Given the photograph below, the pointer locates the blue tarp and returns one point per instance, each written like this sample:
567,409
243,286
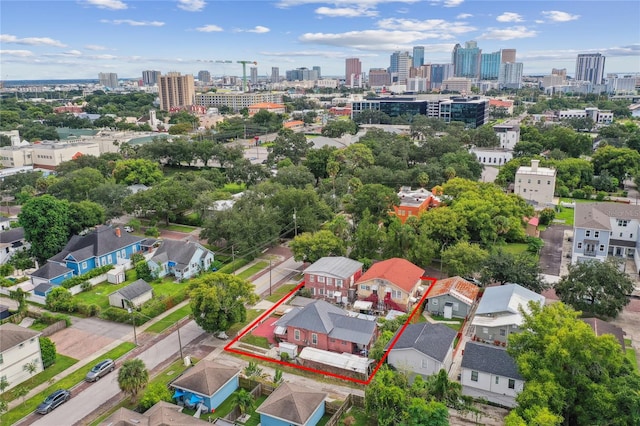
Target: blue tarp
178,393
195,399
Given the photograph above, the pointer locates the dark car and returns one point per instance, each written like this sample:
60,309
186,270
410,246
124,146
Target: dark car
57,398
100,369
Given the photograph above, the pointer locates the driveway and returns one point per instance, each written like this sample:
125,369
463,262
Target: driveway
87,336
551,253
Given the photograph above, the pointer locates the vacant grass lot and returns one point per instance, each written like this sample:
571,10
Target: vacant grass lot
253,269
252,314
280,292
170,319
259,341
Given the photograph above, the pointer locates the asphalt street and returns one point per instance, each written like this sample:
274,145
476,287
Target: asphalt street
82,404
281,272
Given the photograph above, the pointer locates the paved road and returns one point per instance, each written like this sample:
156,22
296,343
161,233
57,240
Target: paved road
81,405
281,272
551,253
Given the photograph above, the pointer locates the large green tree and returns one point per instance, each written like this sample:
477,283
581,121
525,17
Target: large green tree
133,376
503,267
291,145
137,171
45,221
572,376
599,288
463,258
310,247
376,198
218,300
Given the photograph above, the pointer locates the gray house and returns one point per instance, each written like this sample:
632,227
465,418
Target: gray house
498,313
182,259
423,348
490,372
135,294
452,297
606,229
291,404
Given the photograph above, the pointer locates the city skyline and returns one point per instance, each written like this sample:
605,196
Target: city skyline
80,39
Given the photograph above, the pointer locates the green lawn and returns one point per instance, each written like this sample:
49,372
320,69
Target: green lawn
252,314
259,341
179,228
168,287
170,319
631,354
515,248
565,215
358,414
99,294
61,364
280,292
253,269
234,188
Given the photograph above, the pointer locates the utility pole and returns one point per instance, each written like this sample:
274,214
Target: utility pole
133,321
295,223
269,277
179,339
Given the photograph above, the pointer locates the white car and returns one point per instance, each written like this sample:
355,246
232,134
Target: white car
128,229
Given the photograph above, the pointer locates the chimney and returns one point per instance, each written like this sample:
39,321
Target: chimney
534,165
118,233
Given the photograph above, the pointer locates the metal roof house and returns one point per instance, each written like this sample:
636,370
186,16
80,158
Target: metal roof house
332,277
133,295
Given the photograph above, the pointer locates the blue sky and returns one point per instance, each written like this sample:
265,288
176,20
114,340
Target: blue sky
67,39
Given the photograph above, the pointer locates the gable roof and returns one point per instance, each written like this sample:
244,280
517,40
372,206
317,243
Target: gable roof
180,252
599,215
506,298
433,340
12,235
335,266
161,414
292,403
51,270
457,287
42,288
101,241
399,272
600,328
13,335
490,359
206,378
133,290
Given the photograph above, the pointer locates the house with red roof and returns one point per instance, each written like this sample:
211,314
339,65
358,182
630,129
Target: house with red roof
532,226
452,297
391,284
268,106
414,202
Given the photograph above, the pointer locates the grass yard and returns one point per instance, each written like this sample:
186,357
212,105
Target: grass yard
261,342
631,354
227,406
178,228
170,320
252,314
234,188
515,248
168,287
99,294
565,215
280,292
253,269
358,414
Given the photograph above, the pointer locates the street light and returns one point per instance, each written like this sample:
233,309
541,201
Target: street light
269,277
135,337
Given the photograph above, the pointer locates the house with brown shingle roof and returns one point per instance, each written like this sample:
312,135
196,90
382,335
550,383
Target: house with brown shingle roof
161,414
391,284
452,297
208,383
292,404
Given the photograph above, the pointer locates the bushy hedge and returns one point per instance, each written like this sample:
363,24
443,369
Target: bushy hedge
80,279
48,319
88,310
147,311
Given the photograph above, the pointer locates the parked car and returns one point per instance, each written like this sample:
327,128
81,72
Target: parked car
54,400
128,229
100,369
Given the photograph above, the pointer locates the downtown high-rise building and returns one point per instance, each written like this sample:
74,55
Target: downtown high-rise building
440,73
508,55
590,67
275,74
466,60
176,91
490,65
318,72
418,56
511,75
353,72
399,64
379,77
108,79
204,76
253,72
150,77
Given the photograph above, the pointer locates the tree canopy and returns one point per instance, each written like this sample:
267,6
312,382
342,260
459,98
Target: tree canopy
45,220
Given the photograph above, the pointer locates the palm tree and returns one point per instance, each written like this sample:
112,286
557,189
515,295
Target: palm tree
277,377
133,377
30,368
244,400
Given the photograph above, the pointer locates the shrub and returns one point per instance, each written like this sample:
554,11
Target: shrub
136,257
121,315
60,300
152,231
601,195
74,281
88,310
579,194
153,394
546,216
6,269
48,351
563,191
48,319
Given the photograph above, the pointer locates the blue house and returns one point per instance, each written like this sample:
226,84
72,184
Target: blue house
208,383
182,259
105,245
291,405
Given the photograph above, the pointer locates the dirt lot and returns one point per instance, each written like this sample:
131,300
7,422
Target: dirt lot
87,336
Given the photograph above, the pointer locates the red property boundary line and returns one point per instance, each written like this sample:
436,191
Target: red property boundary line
248,329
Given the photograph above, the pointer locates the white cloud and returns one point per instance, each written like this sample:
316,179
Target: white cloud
259,29
18,53
209,28
438,25
337,3
464,16
346,12
370,39
508,33
539,21
105,56
453,3
509,17
31,41
108,4
191,5
558,16
72,53
94,47
133,23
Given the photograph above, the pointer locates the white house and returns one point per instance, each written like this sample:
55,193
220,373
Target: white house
535,184
182,259
492,157
509,135
11,241
19,346
489,372
135,294
423,348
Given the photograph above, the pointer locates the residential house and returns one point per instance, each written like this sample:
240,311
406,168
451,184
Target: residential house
43,289
182,259
498,313
291,404
601,230
161,414
532,229
332,277
391,284
133,295
601,328
423,348
490,372
452,297
208,383
105,245
11,241
536,184
414,202
19,346
324,326
266,106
